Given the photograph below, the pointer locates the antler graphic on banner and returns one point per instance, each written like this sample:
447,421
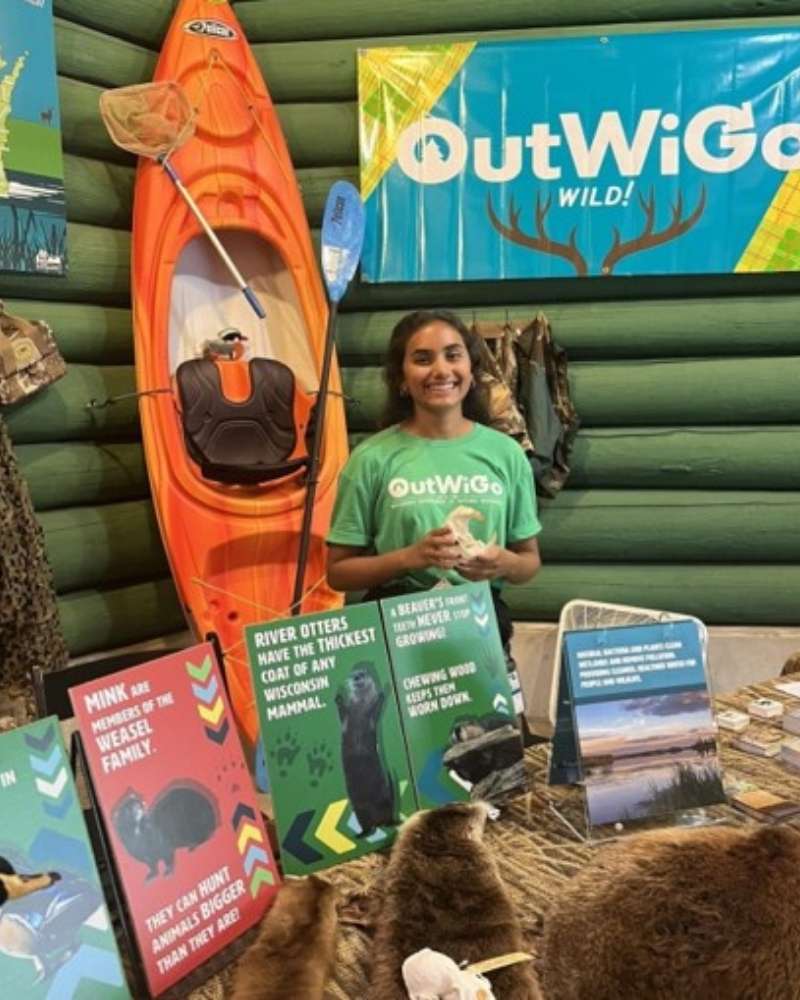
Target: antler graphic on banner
542,242
647,238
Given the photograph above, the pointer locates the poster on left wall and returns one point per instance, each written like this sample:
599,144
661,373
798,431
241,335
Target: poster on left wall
33,228
56,935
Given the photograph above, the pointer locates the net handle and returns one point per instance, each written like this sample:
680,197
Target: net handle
233,270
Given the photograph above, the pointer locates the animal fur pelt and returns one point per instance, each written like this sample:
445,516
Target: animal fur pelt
292,955
693,913
442,891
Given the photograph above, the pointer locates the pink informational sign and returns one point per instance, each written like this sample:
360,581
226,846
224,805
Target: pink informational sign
179,807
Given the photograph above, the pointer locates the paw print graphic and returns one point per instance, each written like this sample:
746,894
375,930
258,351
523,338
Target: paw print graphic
320,761
285,752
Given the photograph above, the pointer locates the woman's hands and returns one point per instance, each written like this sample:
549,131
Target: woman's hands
438,548
516,564
355,568
488,565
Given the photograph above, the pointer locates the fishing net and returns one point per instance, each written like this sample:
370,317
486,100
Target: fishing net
148,119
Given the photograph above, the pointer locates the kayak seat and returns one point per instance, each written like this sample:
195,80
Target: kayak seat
244,440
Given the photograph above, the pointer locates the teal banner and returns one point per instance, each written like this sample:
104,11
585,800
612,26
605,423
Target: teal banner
604,155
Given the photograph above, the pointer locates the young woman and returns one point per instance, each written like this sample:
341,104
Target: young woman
388,533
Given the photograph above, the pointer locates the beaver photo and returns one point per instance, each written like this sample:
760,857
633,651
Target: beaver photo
369,786
183,815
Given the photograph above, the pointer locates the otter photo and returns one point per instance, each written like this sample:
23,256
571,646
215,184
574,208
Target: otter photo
360,704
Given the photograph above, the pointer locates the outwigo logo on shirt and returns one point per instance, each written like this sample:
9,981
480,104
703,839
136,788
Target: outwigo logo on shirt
444,486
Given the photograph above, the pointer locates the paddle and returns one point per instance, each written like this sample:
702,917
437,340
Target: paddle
342,239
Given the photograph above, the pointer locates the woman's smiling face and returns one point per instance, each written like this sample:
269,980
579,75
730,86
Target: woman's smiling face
437,372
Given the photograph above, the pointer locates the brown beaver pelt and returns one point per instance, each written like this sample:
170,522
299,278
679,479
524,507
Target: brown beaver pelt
442,891
292,955
693,913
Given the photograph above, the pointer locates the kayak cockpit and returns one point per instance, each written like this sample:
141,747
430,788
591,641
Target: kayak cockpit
244,385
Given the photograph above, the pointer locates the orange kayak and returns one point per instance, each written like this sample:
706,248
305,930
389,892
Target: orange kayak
232,540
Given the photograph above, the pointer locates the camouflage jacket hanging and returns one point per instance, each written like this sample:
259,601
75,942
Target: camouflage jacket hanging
500,380
528,390
543,393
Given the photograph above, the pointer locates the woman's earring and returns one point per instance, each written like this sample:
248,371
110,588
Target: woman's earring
403,390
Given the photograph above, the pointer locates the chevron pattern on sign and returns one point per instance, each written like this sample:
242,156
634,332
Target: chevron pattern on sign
46,765
200,672
212,714
253,856
89,964
218,735
294,842
241,812
253,848
247,834
210,706
327,832
52,783
208,693
479,606
41,743
261,877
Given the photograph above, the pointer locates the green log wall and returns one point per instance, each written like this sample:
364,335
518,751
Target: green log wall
685,492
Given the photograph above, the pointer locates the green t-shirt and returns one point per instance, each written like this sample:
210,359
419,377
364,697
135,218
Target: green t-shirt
397,487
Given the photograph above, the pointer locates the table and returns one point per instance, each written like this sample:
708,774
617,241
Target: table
535,851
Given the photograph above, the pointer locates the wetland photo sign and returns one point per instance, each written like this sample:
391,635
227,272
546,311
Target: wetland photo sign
635,722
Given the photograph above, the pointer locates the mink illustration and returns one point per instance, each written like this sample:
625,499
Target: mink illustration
369,787
183,815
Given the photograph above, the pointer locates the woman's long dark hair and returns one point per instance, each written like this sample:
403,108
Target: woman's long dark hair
399,405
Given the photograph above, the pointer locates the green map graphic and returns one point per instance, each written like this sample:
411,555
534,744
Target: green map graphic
7,84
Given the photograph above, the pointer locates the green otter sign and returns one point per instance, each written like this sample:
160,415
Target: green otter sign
357,738
335,756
